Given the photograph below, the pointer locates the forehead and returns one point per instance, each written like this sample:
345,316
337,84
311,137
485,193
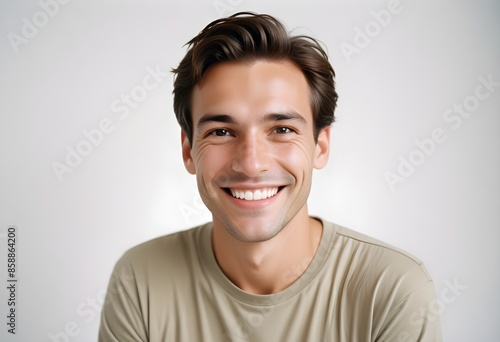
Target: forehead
257,87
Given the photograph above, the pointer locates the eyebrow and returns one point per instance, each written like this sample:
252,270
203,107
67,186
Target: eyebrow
291,115
284,116
215,118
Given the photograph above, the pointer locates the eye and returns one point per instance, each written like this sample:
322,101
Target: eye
283,130
220,132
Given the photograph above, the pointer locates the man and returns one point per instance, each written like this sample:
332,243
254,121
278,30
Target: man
255,107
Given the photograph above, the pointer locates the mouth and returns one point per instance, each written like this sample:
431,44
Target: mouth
255,194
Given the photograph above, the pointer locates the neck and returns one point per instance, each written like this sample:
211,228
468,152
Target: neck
269,266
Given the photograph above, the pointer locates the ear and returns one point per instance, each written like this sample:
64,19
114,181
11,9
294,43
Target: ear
186,154
322,149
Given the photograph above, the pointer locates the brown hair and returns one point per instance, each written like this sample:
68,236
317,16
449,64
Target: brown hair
246,37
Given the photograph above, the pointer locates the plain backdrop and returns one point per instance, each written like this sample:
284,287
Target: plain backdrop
67,68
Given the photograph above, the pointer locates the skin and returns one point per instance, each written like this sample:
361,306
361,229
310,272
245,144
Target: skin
253,129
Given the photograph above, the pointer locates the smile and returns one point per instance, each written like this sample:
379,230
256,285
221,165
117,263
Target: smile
254,195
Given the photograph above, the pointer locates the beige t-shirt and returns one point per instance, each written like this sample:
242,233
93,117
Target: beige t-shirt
355,289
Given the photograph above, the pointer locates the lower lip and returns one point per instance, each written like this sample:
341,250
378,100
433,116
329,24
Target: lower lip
253,205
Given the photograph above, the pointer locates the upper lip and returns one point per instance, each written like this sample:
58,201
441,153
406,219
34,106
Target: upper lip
253,186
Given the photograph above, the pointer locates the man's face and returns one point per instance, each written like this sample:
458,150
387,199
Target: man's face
253,148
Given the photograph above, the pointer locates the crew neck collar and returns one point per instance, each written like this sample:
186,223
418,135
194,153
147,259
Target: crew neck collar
214,271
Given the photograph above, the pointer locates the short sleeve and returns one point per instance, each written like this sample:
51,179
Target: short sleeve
121,318
414,318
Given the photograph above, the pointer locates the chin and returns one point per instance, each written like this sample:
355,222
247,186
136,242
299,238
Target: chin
254,230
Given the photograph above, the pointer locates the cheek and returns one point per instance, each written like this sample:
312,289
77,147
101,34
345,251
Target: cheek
297,158
211,164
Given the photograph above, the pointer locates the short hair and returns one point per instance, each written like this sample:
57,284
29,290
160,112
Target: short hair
247,37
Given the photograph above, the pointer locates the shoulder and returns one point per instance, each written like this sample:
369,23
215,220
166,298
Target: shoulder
387,283
167,244
376,252
170,254
377,268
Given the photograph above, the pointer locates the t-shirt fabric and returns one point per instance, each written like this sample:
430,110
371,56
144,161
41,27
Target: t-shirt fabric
355,289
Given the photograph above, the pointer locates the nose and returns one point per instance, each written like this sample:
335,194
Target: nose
252,156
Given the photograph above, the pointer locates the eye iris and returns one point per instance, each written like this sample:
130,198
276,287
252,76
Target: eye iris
221,132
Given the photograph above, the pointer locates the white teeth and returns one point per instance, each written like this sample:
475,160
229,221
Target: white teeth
254,195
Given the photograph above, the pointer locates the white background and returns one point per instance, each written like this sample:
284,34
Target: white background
132,185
